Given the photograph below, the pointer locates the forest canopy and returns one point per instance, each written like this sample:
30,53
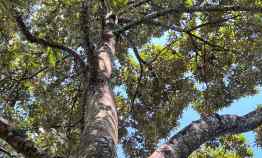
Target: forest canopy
82,78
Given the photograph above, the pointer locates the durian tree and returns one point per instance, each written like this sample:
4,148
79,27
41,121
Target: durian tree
82,78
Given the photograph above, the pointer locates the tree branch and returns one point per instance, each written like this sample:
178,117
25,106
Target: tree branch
19,141
32,38
182,9
6,152
141,65
219,21
85,21
131,6
178,29
198,132
219,48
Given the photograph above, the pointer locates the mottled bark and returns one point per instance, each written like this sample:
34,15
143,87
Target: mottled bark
99,135
198,132
99,132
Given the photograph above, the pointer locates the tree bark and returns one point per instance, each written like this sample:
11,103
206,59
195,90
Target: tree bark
99,135
198,132
180,145
19,141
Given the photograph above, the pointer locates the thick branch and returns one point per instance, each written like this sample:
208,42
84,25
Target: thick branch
32,38
182,9
19,142
198,132
6,152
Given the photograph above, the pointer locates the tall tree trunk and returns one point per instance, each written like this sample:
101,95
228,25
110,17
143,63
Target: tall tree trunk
99,135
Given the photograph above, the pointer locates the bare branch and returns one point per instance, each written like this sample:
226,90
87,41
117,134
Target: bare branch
219,48
182,9
212,23
178,29
198,132
6,152
141,65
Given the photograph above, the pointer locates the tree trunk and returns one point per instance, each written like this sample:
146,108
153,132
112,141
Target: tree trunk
99,135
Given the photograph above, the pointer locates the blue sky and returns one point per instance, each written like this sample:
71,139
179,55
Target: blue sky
239,107
243,106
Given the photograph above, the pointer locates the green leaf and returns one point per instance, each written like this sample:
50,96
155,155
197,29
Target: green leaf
28,85
51,57
189,3
119,3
